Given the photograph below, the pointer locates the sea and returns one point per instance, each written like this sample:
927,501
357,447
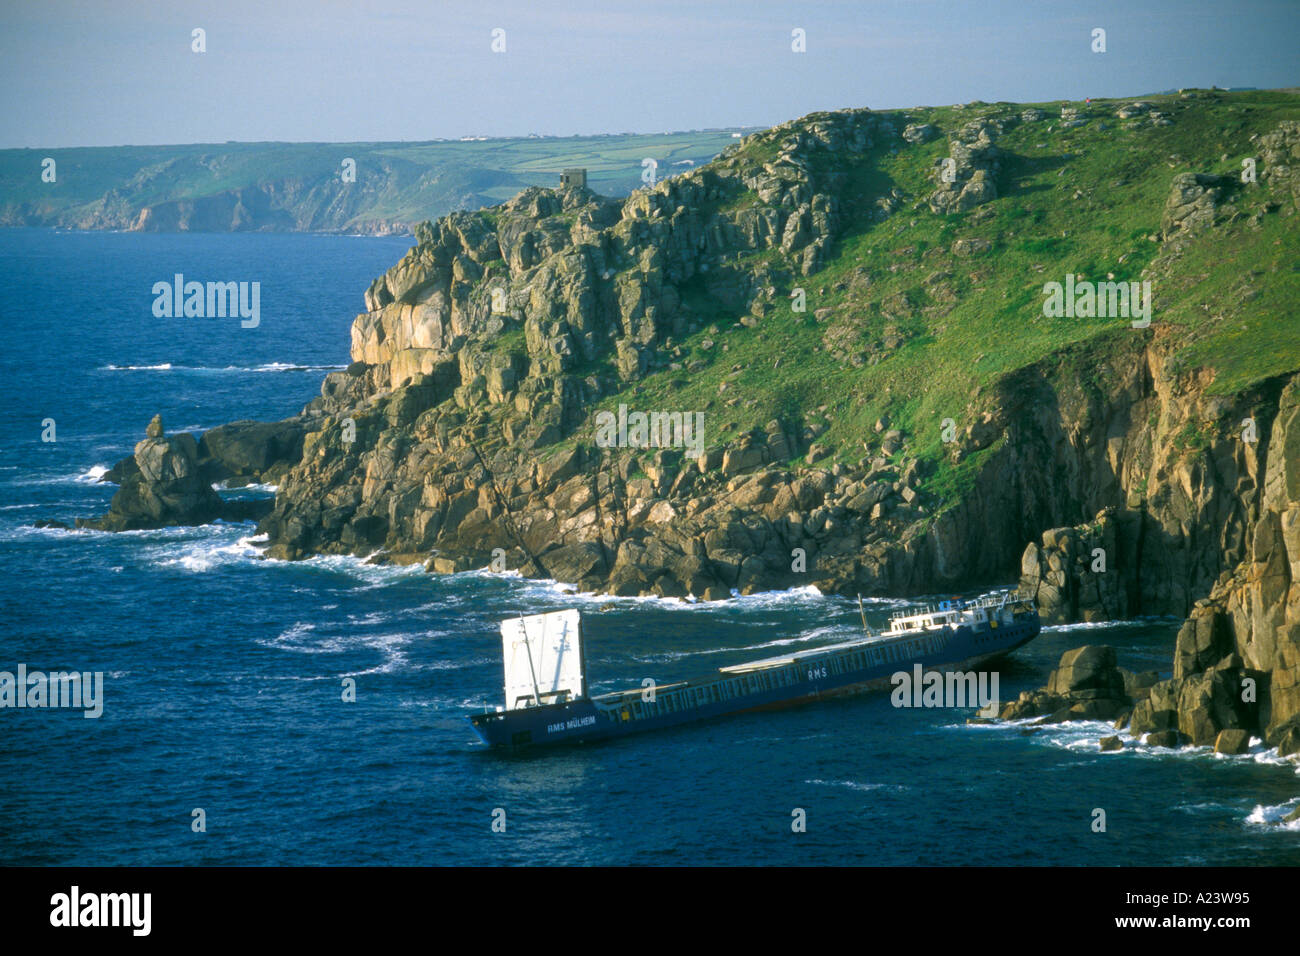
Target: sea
228,736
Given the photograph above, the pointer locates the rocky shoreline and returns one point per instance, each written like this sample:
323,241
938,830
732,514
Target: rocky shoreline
461,436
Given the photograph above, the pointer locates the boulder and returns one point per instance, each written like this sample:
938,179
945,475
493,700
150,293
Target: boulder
1070,574
736,460
1288,741
1203,640
1165,738
1211,702
168,488
1232,741
1193,202
573,562
1088,673
250,450
970,247
1158,712
1086,685
919,132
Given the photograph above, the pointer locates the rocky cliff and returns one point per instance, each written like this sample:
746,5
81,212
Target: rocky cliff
836,338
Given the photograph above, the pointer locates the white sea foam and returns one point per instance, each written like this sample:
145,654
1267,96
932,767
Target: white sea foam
251,486
92,476
1083,626
374,575
1078,735
1268,755
1198,807
808,594
1106,625
89,477
205,554
25,531
307,638
457,704
287,367
157,534
1083,736
264,367
857,785
297,631
1272,817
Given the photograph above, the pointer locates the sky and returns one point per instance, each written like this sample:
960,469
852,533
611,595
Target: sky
108,72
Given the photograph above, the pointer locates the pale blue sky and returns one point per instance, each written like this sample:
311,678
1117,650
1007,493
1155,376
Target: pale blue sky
106,72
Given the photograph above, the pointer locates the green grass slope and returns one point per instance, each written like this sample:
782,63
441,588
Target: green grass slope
897,323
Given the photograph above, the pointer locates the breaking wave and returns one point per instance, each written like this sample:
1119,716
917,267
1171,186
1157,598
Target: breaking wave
1275,817
264,367
856,785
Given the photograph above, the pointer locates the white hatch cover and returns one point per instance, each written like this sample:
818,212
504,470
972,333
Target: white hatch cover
542,654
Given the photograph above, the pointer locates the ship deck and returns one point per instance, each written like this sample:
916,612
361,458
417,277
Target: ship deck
798,656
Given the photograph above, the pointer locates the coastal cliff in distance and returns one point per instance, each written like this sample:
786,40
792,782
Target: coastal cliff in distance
368,188
853,312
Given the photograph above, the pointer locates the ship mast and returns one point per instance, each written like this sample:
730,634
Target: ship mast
861,610
537,691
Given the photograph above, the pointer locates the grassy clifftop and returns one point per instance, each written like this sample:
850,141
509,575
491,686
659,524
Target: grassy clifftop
917,315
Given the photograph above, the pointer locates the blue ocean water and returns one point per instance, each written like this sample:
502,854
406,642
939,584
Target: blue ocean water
223,672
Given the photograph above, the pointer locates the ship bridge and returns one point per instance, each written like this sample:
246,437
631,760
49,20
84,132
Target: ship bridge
983,612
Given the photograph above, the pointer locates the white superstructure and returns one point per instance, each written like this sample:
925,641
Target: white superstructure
989,611
543,659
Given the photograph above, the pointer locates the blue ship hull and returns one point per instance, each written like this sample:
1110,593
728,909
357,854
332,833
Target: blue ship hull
840,669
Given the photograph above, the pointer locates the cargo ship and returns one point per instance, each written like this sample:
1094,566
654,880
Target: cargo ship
547,701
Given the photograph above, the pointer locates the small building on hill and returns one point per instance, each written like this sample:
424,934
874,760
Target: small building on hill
573,177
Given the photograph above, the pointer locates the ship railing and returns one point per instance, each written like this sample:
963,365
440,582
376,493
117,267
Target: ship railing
999,600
